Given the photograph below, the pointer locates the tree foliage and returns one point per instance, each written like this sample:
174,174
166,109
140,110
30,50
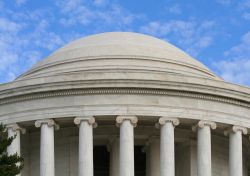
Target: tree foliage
10,165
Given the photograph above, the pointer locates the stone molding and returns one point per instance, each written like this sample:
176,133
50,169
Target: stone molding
149,91
49,122
91,58
15,127
133,120
163,120
235,129
89,119
203,123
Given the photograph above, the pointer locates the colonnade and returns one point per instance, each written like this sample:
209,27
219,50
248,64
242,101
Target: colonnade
125,147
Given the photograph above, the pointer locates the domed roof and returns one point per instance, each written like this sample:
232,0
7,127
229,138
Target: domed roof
119,51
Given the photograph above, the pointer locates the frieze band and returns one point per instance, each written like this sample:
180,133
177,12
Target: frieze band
123,91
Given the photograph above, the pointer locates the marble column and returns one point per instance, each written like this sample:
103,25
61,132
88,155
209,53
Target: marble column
126,124
114,149
153,156
47,154
86,162
14,130
235,150
167,152
204,167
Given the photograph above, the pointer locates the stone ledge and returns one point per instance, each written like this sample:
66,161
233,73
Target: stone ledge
123,91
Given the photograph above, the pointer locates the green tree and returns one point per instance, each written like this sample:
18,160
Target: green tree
10,165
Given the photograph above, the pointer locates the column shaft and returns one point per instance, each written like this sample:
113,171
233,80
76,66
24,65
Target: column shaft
126,149
86,162
15,130
235,154
47,155
153,158
204,151
167,152
115,157
235,150
167,157
86,166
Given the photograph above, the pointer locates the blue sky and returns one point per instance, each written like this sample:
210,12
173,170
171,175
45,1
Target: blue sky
216,32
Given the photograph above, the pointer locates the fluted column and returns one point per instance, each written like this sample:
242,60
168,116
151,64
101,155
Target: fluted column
114,149
14,130
127,124
204,167
153,156
47,154
167,152
86,163
235,150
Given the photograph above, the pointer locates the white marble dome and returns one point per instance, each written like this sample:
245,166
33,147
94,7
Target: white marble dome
119,51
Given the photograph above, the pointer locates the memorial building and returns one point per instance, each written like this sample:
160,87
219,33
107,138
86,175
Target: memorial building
126,104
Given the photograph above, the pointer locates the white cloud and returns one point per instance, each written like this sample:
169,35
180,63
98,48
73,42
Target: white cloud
77,12
43,38
1,5
100,2
241,50
234,70
21,2
7,25
183,28
9,31
245,4
199,44
175,9
224,2
191,35
244,8
237,67
246,16
8,56
19,48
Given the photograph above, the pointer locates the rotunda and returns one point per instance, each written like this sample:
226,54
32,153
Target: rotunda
126,104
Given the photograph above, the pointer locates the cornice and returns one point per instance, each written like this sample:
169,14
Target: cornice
136,91
151,82
110,57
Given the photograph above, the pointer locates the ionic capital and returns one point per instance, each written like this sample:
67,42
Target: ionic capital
49,122
15,127
235,129
163,120
89,119
203,123
133,120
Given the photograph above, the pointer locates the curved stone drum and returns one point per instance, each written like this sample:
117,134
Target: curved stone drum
159,112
